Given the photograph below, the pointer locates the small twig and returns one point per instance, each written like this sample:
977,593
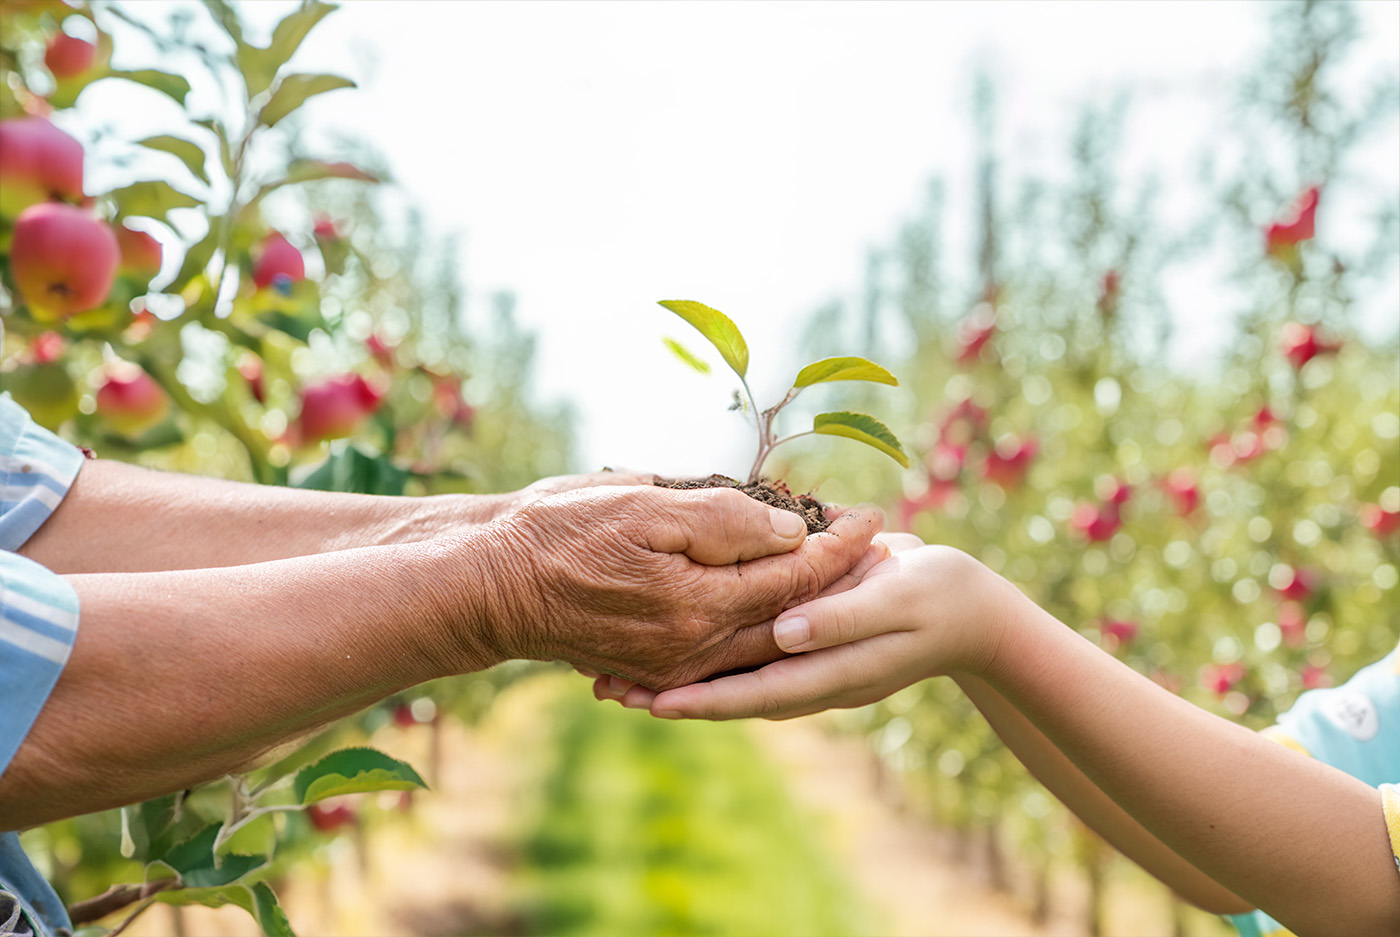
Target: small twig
116,898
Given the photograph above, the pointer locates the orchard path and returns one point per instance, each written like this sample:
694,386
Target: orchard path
446,870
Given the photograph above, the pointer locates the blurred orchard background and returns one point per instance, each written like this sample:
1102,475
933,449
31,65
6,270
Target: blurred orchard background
1135,265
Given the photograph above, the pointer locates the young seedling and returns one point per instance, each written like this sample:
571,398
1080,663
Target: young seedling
729,342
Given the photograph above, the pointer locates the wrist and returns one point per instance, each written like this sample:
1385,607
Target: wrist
1016,632
469,627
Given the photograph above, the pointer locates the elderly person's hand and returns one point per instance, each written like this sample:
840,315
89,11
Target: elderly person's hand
659,586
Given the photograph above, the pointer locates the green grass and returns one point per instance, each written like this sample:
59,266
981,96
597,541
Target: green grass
661,828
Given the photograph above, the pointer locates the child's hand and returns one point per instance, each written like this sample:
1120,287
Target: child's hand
920,613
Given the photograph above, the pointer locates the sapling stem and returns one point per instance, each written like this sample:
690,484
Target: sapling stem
766,443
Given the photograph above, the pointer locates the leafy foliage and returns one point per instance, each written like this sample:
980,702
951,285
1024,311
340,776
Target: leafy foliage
236,336
721,332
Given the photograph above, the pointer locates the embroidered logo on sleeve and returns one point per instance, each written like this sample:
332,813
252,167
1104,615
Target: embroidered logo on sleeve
1353,713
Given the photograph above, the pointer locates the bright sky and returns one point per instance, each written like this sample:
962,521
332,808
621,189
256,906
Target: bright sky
600,156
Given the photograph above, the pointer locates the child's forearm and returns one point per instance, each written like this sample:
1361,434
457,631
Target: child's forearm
1060,776
1300,839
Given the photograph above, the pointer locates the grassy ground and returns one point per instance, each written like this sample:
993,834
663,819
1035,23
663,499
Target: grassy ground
650,827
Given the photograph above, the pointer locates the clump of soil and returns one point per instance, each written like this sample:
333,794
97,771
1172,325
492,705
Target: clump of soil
776,494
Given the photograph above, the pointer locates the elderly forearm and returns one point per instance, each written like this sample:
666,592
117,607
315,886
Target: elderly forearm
1304,841
123,518
180,677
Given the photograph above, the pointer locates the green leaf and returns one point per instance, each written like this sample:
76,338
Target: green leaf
151,199
861,427
186,151
683,353
225,16
257,899
311,170
293,91
225,149
354,471
268,912
196,258
259,66
843,369
718,328
198,867
354,771
150,824
167,84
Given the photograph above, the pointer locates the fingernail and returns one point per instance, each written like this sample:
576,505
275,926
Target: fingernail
791,633
618,686
787,524
666,714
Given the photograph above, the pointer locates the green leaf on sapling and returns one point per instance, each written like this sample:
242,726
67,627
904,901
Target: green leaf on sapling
186,151
863,428
293,91
354,771
683,353
718,328
844,369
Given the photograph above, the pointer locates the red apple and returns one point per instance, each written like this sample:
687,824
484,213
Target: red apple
1181,485
1314,677
68,56
1221,678
63,259
141,253
330,817
47,347
1097,522
381,351
38,162
130,401
1293,623
1282,237
1122,631
336,407
278,264
251,369
1108,294
403,716
974,332
1379,521
1301,343
1009,461
1297,585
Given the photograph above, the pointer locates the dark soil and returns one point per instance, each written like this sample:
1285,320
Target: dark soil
774,493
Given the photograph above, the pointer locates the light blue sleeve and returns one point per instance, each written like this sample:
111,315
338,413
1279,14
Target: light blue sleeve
1355,726
38,624
36,471
38,608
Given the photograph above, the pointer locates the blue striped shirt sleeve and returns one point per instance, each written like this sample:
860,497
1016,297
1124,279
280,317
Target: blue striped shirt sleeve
38,608
36,470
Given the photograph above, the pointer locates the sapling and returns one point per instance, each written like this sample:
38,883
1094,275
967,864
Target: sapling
729,342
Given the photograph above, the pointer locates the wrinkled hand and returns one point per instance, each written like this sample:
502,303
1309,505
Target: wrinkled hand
923,611
659,586
634,696
558,484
